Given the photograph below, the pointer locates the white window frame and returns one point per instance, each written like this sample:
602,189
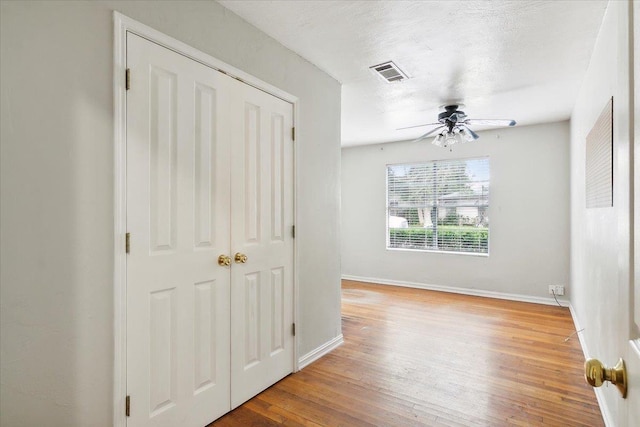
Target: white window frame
439,251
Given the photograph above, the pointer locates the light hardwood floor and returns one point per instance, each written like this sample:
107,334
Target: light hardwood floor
421,358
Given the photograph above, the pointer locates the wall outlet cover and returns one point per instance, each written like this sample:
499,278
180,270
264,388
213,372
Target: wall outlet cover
558,290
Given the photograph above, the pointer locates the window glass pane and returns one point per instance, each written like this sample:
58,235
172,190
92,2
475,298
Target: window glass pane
440,205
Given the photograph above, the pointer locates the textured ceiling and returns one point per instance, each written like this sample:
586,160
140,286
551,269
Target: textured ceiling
521,60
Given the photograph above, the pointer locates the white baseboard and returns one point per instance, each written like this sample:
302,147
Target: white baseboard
317,353
463,291
578,326
602,403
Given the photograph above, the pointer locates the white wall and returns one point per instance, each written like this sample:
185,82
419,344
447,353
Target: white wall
597,250
57,193
529,214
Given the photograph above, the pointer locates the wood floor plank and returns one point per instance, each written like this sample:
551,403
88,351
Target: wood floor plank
421,358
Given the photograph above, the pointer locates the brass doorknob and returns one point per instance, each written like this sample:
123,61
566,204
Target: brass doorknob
240,258
224,261
596,373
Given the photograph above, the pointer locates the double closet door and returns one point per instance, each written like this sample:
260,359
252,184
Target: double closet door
209,182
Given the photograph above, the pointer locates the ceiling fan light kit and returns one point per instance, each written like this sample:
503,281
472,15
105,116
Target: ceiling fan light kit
453,127
459,135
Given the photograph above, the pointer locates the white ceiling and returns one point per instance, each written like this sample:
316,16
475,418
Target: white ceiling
521,60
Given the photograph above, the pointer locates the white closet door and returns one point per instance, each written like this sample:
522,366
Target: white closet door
178,216
262,218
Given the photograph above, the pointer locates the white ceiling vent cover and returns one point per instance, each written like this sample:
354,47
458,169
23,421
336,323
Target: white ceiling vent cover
389,72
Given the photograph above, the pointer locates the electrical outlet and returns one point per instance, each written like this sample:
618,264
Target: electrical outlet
558,290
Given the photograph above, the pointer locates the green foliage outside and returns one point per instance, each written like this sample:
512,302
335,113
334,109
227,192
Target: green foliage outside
451,219
455,239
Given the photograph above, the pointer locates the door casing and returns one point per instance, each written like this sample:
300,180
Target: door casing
122,25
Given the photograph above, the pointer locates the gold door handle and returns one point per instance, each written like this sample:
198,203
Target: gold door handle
240,258
596,373
224,261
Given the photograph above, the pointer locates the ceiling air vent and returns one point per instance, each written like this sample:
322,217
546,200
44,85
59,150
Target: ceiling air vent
389,72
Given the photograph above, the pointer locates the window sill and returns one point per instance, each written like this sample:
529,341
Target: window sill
475,254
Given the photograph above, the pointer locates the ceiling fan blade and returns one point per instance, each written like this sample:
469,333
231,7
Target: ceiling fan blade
490,122
467,130
431,132
419,126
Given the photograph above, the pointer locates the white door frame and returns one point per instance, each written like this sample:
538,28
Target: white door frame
122,25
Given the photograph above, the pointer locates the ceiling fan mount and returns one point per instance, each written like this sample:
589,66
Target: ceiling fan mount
451,115
453,126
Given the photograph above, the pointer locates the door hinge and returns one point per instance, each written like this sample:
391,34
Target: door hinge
127,79
293,329
293,133
127,406
127,244
293,231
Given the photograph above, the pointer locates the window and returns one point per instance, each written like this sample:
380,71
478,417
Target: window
439,206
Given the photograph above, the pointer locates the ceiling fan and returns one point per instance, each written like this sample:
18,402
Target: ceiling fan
453,126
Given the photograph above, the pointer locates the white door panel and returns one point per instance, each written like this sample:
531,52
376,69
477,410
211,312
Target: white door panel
630,291
209,173
262,206
632,357
177,214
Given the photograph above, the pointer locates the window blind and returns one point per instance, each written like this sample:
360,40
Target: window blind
439,206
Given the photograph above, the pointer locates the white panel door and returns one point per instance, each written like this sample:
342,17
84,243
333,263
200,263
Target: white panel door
203,338
632,294
262,219
178,367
